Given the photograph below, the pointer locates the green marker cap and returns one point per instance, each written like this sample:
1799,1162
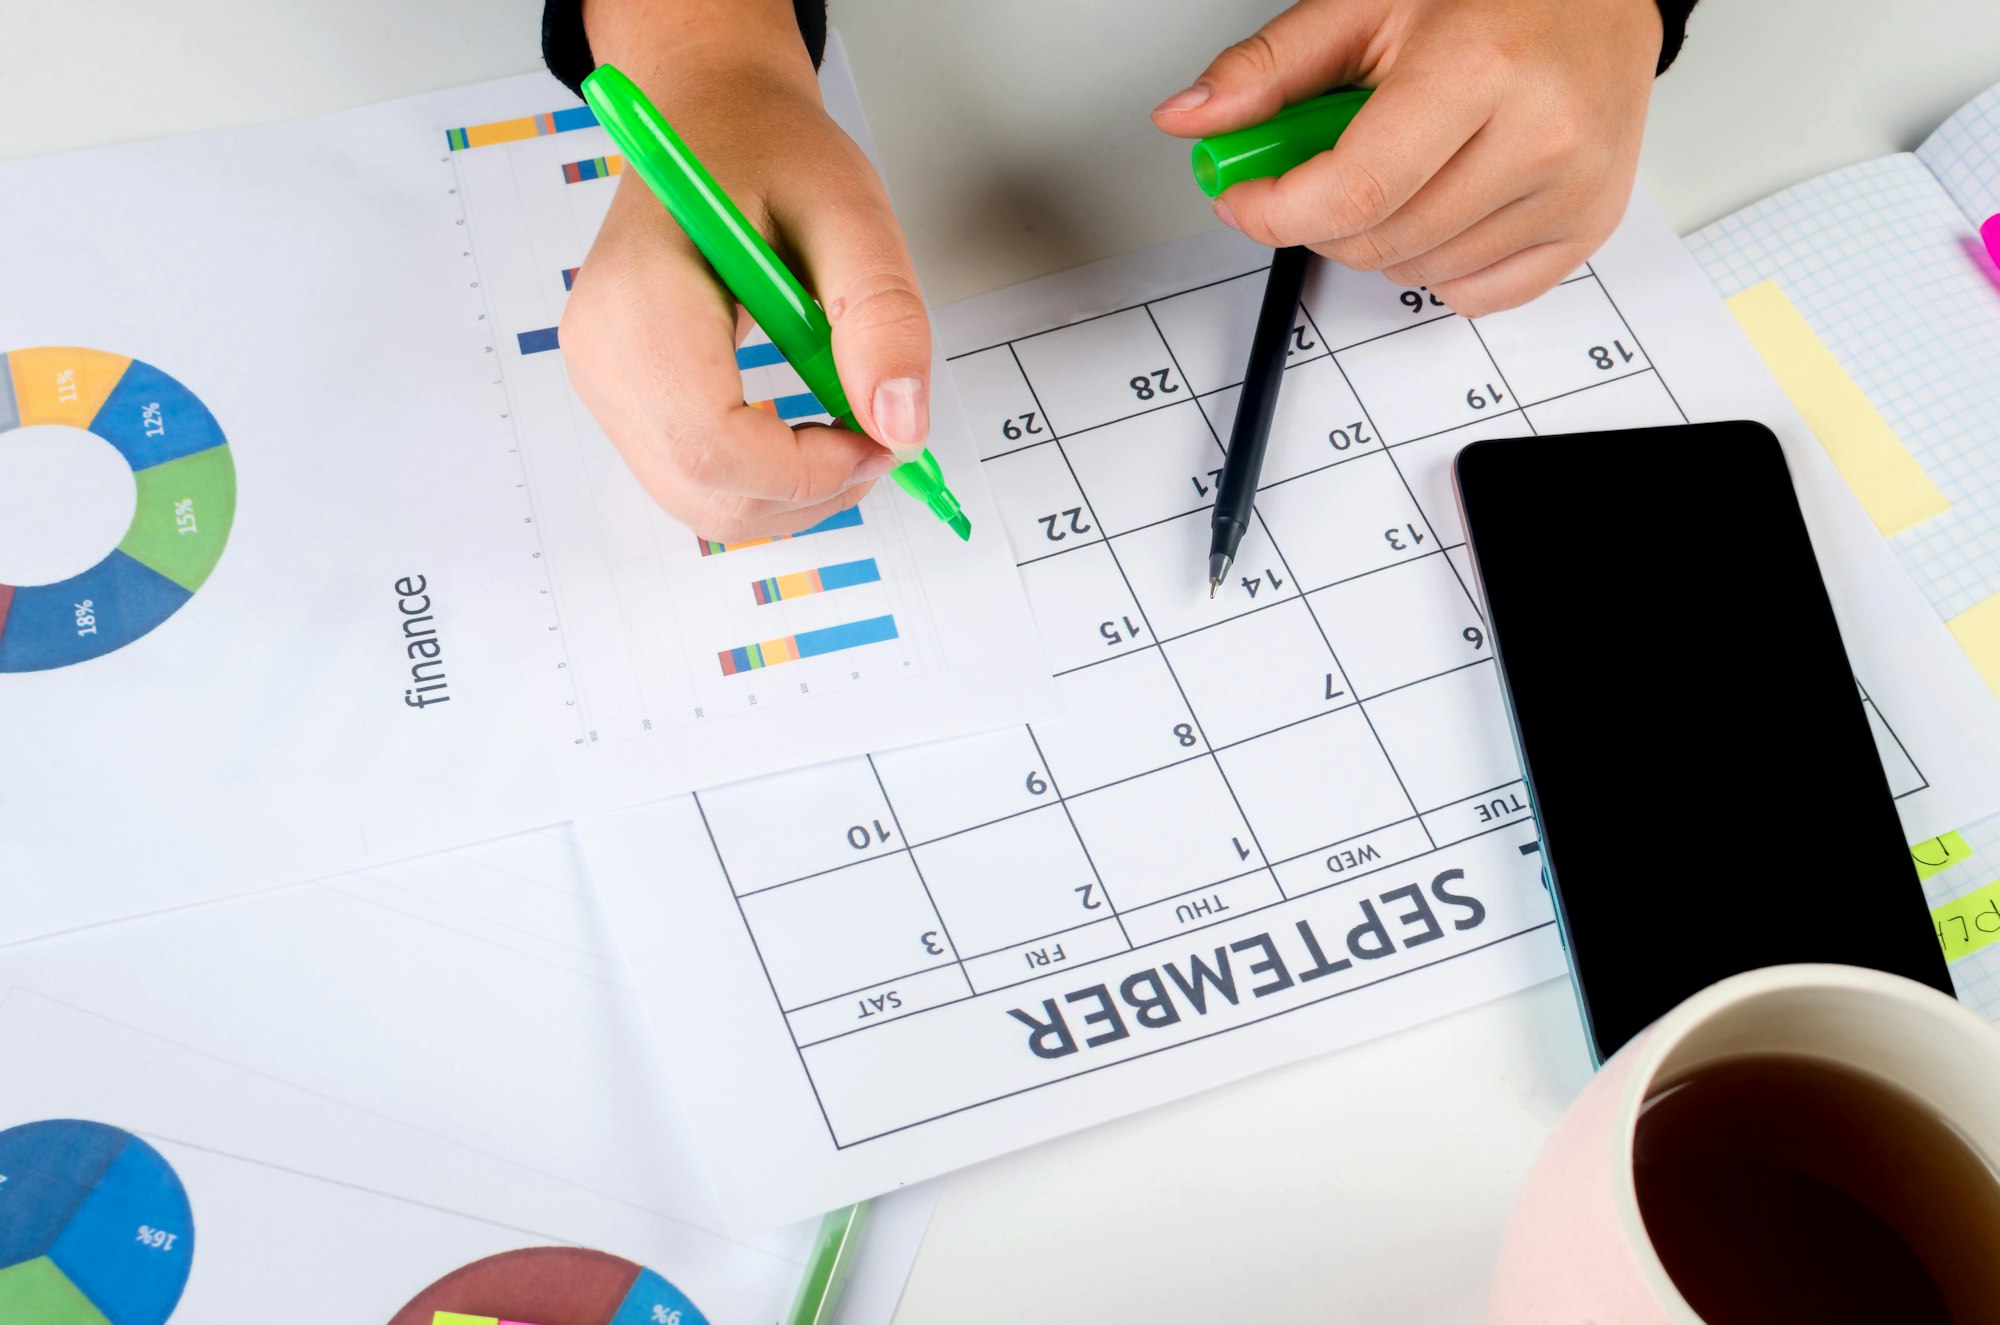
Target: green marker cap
754,274
1292,137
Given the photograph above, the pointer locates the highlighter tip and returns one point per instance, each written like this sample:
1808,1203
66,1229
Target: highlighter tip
961,526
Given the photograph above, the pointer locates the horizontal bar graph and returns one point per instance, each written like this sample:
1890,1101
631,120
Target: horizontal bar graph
846,519
596,167
801,406
534,342
761,355
807,644
823,579
527,126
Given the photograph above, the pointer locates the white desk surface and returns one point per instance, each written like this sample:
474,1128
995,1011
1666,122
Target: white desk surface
1364,1186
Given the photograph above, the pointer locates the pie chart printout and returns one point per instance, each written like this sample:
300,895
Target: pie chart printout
551,1286
185,484
95,1228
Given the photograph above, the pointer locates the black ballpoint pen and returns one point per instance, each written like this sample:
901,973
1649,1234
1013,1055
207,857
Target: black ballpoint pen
1250,435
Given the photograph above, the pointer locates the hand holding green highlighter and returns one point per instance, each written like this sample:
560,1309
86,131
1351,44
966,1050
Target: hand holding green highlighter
745,263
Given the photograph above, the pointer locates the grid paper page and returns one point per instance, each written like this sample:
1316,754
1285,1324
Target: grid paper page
1964,154
1271,823
1885,267
1884,261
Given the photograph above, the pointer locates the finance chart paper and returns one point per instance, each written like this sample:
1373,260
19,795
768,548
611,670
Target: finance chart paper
145,1178
1270,824
312,560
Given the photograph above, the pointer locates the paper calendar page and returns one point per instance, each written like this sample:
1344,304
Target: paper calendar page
1270,824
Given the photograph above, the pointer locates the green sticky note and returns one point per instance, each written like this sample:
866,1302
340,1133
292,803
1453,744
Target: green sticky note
1939,853
1970,923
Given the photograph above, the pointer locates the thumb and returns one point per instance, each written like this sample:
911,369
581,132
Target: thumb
1314,46
845,234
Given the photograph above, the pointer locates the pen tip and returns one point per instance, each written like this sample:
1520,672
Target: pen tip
961,526
1213,585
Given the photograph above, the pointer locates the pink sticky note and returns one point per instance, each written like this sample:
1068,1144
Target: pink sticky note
1990,232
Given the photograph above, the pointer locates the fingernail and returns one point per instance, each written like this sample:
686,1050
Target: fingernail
870,469
1185,99
1224,215
902,417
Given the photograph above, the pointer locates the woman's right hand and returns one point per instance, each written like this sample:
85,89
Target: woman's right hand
649,335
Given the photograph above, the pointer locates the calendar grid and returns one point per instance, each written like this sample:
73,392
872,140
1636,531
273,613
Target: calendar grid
1221,772
1665,385
1234,914
1084,846
951,945
1331,718
1390,450
762,965
1319,625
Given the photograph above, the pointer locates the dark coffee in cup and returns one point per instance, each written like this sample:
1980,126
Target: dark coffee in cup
1782,1188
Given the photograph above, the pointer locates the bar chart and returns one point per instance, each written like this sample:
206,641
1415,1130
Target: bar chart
821,579
679,627
847,519
596,167
811,644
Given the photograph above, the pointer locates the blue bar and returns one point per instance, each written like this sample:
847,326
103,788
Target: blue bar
853,635
576,117
534,342
846,519
761,355
849,573
802,406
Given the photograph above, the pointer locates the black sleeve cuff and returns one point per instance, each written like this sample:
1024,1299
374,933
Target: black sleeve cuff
566,47
1673,25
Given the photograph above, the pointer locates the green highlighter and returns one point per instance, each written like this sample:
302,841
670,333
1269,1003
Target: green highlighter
1292,137
754,274
827,1265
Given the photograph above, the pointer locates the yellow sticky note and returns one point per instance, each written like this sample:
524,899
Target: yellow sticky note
1977,630
1892,486
1970,923
1938,854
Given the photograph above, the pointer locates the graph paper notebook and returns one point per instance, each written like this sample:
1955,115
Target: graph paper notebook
1884,262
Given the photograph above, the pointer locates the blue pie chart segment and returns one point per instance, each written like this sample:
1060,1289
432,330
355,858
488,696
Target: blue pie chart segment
91,1217
653,1299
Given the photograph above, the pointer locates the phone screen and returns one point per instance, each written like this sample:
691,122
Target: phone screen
1703,768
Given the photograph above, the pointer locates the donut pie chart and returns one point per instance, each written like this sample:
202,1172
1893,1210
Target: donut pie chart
186,501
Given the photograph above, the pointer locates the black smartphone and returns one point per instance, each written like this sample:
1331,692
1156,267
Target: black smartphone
1702,770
